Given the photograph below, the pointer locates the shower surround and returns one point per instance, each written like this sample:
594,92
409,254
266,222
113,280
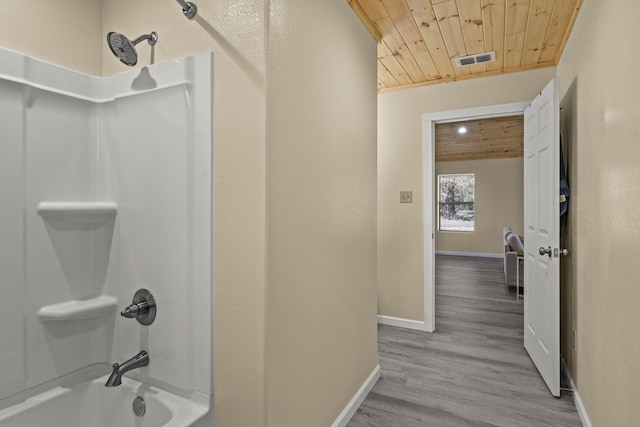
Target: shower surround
107,188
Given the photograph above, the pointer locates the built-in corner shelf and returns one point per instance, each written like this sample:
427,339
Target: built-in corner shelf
86,212
75,310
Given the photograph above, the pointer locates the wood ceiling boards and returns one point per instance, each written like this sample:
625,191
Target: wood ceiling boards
420,39
497,138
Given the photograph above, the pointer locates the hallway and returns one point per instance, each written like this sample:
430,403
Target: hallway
473,370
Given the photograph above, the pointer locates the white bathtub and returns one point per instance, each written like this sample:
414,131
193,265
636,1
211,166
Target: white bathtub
91,404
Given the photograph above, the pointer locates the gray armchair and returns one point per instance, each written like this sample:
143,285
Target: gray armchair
513,246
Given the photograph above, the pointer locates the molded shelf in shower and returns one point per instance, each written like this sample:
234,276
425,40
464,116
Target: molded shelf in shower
74,310
86,212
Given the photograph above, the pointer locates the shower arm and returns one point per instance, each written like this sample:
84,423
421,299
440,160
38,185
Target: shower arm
189,9
152,37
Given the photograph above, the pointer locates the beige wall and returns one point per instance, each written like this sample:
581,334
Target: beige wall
400,231
321,209
63,32
499,202
599,96
294,197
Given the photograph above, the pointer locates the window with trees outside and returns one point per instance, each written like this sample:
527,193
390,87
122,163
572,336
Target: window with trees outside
456,202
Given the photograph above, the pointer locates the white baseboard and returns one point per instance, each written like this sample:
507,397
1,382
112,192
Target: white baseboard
476,254
402,323
349,411
582,412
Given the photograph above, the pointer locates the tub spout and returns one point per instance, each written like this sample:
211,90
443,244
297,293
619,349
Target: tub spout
139,360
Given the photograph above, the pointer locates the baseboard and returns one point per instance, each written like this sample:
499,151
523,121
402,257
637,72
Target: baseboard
402,323
582,412
349,411
475,254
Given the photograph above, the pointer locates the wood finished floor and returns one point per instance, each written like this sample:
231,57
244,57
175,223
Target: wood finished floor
473,371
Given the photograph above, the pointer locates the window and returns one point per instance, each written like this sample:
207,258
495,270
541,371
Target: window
456,202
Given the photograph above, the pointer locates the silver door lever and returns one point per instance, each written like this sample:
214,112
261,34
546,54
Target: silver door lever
545,251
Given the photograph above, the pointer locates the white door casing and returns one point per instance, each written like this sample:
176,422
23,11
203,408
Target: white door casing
541,238
429,205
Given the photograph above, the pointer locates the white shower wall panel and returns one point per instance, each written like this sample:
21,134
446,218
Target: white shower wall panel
12,369
163,188
66,259
154,196
68,137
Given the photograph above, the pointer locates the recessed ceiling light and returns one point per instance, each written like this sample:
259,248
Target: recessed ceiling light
462,129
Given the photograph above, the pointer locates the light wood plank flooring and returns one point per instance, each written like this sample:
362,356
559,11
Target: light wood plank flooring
473,371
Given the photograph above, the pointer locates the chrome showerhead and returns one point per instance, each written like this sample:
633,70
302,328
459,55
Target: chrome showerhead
124,49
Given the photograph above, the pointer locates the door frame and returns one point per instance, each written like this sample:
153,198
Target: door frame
429,120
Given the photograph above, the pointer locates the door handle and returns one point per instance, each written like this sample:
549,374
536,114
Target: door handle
545,251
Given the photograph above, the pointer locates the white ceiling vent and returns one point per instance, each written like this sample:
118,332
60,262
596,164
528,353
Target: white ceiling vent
478,58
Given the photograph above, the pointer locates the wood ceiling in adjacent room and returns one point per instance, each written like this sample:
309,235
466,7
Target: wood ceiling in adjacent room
420,39
497,138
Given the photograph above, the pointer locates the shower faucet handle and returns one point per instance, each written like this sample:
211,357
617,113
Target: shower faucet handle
143,308
134,310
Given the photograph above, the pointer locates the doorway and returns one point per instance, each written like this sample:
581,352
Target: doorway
429,174
541,222
479,168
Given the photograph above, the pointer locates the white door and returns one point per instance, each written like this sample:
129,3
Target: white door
542,234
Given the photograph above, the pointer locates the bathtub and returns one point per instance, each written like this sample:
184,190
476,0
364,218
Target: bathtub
91,404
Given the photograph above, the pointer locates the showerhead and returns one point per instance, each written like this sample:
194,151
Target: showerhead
124,49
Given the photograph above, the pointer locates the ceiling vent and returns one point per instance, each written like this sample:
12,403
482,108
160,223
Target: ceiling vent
478,58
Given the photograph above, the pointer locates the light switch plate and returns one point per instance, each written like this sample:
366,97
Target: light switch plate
406,197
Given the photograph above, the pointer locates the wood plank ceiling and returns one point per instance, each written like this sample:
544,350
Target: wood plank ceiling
495,138
418,40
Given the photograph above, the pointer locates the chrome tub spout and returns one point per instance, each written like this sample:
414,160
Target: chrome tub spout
139,360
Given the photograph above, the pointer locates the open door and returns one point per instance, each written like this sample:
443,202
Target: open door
542,234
